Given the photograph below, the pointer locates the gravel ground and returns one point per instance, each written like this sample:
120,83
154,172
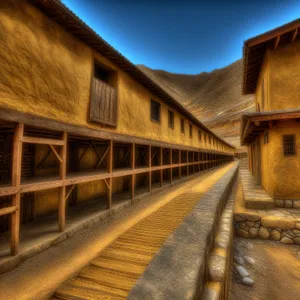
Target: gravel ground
276,272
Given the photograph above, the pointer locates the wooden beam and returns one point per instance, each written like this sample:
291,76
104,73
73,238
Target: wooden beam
37,140
16,182
171,163
62,189
85,152
150,172
133,167
161,163
276,43
294,34
8,210
103,157
69,192
110,169
55,153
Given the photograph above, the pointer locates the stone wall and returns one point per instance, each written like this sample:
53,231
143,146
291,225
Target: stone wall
180,269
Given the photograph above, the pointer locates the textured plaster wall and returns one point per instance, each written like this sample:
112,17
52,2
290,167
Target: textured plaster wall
285,170
263,77
282,78
46,71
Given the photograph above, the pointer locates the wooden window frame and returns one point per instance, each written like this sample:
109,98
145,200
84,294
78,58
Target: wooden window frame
182,126
159,115
295,145
171,124
191,130
93,107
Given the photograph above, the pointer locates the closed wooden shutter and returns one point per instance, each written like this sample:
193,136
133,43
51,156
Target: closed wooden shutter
103,108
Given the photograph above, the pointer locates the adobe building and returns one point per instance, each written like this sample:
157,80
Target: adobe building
80,124
272,133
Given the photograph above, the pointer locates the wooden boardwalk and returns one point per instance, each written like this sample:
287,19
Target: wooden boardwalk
113,274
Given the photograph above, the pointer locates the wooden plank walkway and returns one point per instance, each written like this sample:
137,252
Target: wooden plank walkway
114,272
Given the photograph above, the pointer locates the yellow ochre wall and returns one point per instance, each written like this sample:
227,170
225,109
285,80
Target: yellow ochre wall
282,78
47,72
280,176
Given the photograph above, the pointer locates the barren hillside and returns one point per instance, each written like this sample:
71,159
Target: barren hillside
215,97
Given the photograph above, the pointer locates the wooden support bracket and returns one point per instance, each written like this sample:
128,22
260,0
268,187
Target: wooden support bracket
55,153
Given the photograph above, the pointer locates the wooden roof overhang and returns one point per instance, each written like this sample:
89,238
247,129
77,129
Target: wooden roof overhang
57,11
255,48
254,124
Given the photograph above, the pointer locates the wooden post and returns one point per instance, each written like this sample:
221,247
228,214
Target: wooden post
62,190
132,167
171,164
16,181
179,161
193,162
187,163
150,172
161,163
110,169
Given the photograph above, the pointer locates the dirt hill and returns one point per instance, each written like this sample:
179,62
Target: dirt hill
215,97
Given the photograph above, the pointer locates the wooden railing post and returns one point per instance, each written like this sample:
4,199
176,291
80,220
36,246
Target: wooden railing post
161,163
62,189
132,167
16,182
187,163
110,169
171,165
179,161
150,172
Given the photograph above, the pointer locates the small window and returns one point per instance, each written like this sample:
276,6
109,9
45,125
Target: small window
191,130
199,135
155,111
182,125
289,145
171,119
266,138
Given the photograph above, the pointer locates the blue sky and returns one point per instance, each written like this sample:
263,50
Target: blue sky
182,36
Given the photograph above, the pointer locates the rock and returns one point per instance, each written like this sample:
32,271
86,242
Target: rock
239,260
297,226
263,233
289,234
279,203
216,267
242,233
274,221
246,228
253,217
287,241
275,235
238,252
296,204
242,225
297,240
248,245
249,260
288,203
239,218
250,223
242,271
296,231
257,224
248,281
253,232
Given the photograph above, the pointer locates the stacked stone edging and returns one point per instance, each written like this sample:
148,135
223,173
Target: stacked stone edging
221,258
180,268
282,229
287,203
